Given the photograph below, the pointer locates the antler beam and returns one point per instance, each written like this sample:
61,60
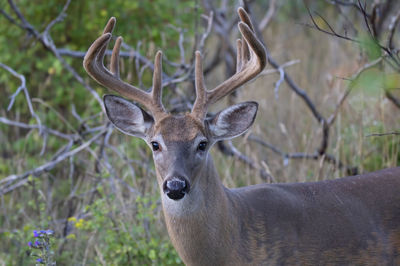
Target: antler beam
94,65
251,60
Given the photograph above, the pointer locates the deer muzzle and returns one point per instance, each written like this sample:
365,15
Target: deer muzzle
176,187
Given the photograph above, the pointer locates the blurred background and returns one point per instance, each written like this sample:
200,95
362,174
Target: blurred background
329,107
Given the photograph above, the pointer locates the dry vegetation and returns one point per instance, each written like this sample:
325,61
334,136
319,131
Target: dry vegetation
323,66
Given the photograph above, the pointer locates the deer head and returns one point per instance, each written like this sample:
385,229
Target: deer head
180,143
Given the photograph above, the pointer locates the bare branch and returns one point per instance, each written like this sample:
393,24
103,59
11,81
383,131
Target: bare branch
180,43
392,28
58,19
383,134
23,88
392,98
207,32
268,16
284,65
331,31
260,141
345,3
50,131
333,116
231,150
12,182
300,155
300,92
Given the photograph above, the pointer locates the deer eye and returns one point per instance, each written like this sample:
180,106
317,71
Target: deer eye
155,145
202,146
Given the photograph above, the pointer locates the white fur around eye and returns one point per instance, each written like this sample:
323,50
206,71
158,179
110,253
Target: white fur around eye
160,140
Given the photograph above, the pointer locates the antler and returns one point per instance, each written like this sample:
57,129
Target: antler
250,62
94,66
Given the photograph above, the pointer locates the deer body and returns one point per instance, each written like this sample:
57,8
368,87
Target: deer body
349,221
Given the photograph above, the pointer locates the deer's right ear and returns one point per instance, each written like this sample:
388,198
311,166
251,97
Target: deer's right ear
233,121
127,117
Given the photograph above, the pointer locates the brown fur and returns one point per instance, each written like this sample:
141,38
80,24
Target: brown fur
184,127
349,221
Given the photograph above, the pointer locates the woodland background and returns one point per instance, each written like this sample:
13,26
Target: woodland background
329,107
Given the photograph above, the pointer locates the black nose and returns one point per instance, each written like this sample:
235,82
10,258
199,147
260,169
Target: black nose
176,188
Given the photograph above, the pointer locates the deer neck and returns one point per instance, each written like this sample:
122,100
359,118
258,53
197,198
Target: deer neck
202,222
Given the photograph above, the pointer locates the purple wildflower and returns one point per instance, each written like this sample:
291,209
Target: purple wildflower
37,243
40,260
35,233
30,244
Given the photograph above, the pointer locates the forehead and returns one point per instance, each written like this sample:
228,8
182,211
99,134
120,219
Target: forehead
179,128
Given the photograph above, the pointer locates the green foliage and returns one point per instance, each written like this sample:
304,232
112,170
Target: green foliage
14,246
133,238
123,239
146,21
370,82
370,46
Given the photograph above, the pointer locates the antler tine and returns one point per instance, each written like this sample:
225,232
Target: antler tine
247,67
114,64
199,105
157,83
94,66
251,60
245,18
239,55
108,29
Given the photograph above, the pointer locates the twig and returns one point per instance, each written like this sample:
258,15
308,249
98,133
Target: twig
268,16
44,128
300,92
383,134
333,116
180,42
284,65
231,150
331,31
392,27
58,19
345,3
300,155
392,98
353,77
207,32
22,87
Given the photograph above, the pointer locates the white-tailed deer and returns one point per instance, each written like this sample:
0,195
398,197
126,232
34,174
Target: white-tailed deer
349,221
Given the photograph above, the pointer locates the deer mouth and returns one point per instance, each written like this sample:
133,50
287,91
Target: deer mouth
176,187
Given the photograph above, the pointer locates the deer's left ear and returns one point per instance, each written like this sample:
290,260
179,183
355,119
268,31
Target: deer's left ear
233,121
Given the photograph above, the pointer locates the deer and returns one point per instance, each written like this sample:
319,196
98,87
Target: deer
348,221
